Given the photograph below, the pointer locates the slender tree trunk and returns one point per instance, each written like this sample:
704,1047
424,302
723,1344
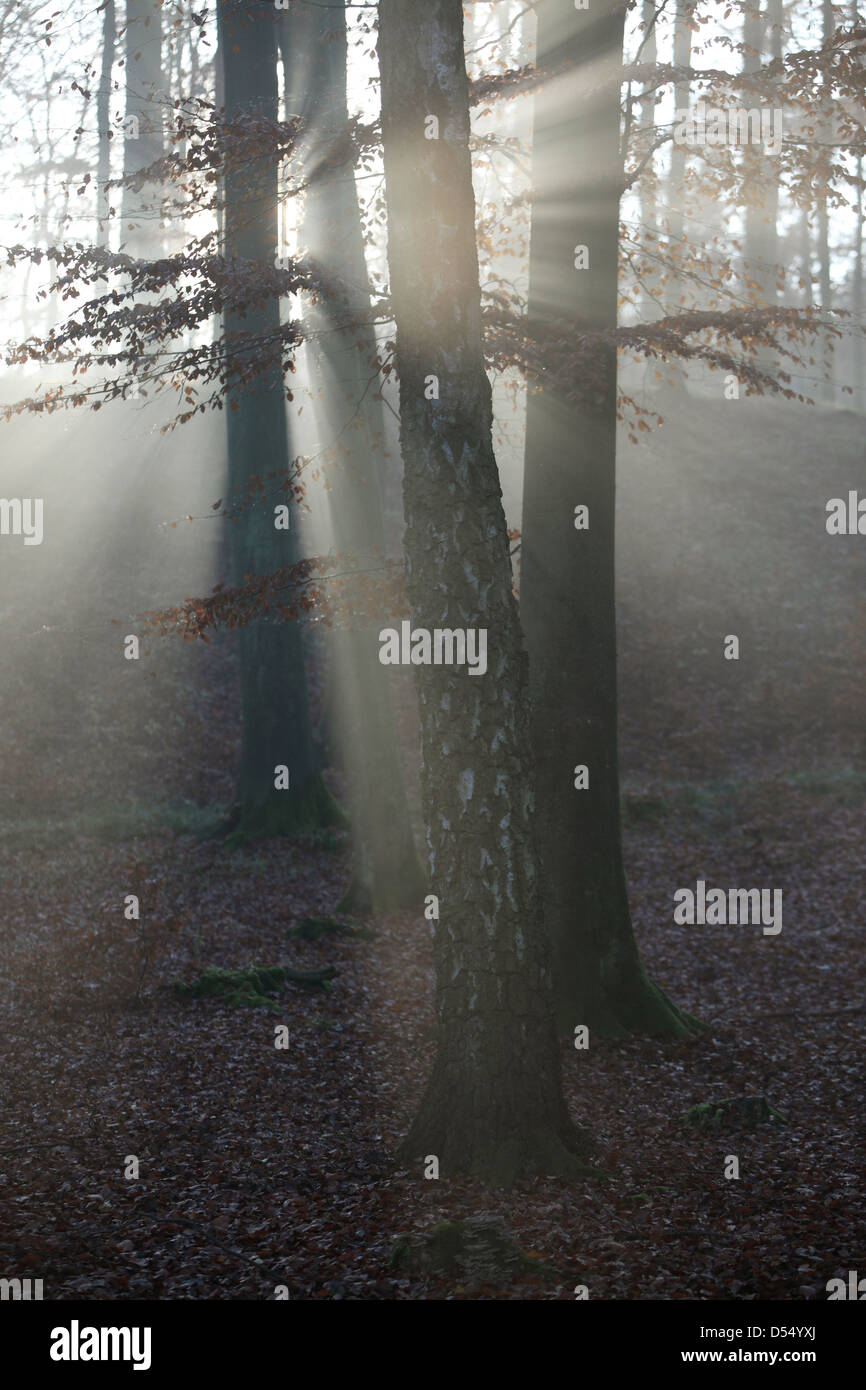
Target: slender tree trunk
754,29
143,125
313,39
762,30
567,585
276,724
648,203
828,390
676,297
857,298
682,103
103,124
493,1105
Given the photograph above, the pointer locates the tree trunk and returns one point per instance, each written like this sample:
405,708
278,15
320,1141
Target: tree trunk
143,125
276,723
103,124
313,40
648,202
828,389
682,102
567,583
857,297
493,1105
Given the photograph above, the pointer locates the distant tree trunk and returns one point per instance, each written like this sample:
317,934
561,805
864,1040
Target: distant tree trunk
493,1105
857,298
754,28
763,31
274,708
344,354
682,102
828,391
676,297
648,208
567,583
143,125
103,124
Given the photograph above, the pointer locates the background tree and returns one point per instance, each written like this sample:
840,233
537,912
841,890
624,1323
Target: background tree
143,141
275,711
344,364
567,577
103,121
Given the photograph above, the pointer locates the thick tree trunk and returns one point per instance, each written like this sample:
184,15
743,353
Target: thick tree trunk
567,575
493,1105
274,709
143,125
313,40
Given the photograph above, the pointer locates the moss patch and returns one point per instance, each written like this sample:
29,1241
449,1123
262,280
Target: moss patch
737,1112
254,988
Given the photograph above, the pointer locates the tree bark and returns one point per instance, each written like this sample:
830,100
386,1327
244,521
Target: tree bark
275,716
493,1105
567,575
313,41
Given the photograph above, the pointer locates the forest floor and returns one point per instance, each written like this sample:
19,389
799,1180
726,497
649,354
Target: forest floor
261,1167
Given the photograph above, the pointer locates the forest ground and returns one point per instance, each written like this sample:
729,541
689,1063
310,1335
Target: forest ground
261,1167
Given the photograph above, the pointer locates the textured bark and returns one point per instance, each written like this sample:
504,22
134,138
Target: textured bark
144,83
313,42
493,1105
567,575
274,708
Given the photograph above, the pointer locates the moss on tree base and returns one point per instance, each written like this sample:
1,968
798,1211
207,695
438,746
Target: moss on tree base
297,811
642,1010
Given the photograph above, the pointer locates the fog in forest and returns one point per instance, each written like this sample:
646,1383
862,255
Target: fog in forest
290,293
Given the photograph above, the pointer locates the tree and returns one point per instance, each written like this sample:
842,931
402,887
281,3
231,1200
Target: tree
276,729
683,21
567,569
345,370
143,124
825,135
493,1104
103,122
